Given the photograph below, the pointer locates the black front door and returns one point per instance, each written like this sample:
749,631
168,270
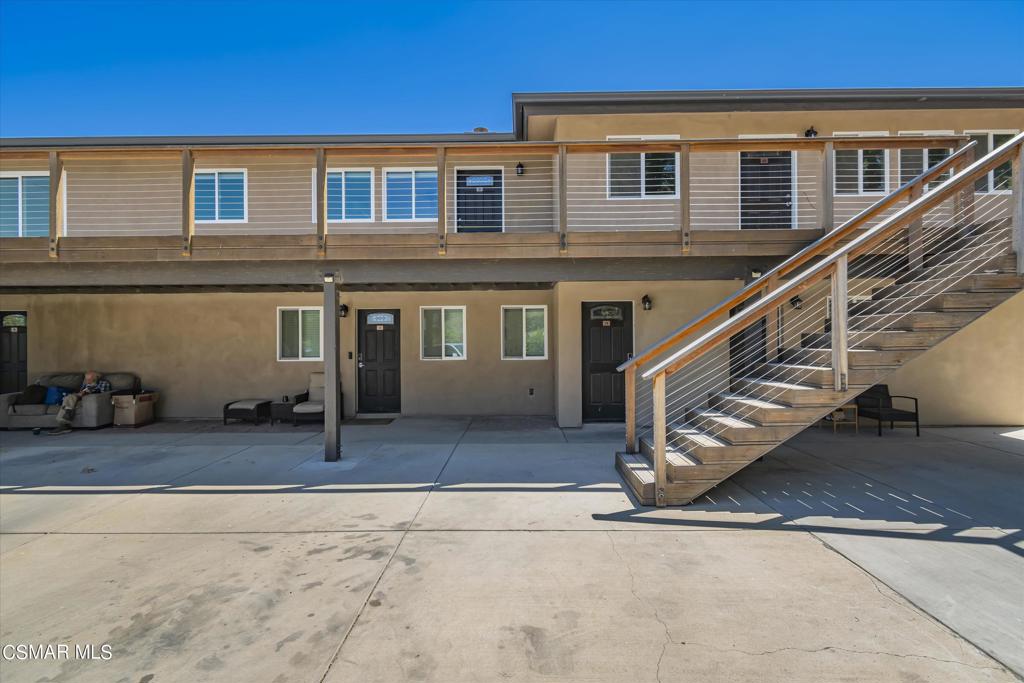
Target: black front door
478,200
607,342
13,351
766,190
380,386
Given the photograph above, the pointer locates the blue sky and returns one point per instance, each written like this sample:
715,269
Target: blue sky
166,68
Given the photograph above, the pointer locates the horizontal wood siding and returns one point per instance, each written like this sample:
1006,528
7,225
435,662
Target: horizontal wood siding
590,209
280,192
378,164
8,164
530,199
134,195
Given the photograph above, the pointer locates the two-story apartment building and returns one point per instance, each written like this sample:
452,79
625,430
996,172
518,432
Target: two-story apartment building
478,273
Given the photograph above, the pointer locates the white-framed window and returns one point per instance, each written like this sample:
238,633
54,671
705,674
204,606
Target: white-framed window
24,204
410,194
642,175
524,332
442,333
349,195
998,179
914,162
221,195
861,171
300,333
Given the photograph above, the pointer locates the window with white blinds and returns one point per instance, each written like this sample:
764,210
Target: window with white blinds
24,205
299,333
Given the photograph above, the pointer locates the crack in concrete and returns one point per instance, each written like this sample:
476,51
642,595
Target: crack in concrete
836,648
646,603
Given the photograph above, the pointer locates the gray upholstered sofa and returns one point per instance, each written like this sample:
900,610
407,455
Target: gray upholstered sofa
95,410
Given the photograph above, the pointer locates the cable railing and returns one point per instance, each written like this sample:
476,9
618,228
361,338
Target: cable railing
839,321
655,187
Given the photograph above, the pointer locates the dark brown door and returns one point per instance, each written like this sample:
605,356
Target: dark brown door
380,386
607,342
13,351
766,190
479,204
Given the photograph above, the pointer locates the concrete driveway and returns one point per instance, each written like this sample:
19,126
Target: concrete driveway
506,549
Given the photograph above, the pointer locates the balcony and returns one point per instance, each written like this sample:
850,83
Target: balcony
616,198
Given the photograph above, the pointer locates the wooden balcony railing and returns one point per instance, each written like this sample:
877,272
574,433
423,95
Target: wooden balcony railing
616,197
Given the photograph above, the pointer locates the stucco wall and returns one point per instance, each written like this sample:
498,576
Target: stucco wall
976,377
202,350
674,303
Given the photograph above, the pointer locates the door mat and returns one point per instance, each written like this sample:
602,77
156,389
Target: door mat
368,421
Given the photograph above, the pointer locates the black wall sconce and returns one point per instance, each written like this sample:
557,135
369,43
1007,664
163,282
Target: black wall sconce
520,169
796,302
810,133
646,302
343,310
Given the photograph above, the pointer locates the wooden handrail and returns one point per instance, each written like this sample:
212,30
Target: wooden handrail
818,248
823,268
520,147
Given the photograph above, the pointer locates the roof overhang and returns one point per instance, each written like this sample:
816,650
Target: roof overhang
525,105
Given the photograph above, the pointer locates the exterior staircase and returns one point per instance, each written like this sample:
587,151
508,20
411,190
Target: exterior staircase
821,328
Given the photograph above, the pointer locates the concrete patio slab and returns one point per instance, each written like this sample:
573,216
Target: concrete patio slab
640,606
238,607
508,551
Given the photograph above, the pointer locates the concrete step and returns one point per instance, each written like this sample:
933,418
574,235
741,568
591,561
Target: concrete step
819,375
858,358
880,339
639,476
797,395
762,411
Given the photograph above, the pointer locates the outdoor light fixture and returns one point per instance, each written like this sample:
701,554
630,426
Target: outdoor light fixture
328,277
646,302
755,273
796,302
810,133
520,169
343,310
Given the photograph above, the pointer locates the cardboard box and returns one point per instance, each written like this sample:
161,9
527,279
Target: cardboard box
134,410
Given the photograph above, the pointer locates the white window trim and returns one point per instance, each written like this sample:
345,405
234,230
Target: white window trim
216,195
343,170
643,169
991,175
501,326
465,338
455,175
384,193
300,359
860,165
794,220
924,160
21,204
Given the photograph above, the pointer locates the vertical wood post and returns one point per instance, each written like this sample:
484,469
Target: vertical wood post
772,322
332,379
442,202
967,201
57,207
563,195
660,430
188,201
915,233
684,197
840,338
321,202
826,215
1017,196
631,409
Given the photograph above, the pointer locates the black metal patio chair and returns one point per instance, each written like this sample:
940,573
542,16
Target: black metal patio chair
876,403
